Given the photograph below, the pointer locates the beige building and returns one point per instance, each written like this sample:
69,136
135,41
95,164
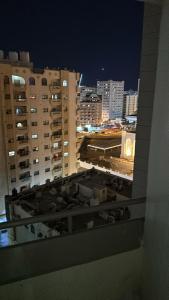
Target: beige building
130,103
38,123
91,110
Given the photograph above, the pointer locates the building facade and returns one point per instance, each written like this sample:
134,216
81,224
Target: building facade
38,123
130,103
112,98
91,110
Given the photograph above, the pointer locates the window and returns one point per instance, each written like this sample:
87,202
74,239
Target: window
8,111
54,96
13,179
6,80
32,229
55,145
35,149
45,109
45,122
65,132
31,81
47,170
66,154
44,81
66,143
9,126
46,135
32,97
34,123
44,97
47,158
21,124
18,80
34,136
36,173
46,147
33,110
11,153
36,161
65,83
12,167
10,141
7,96
66,165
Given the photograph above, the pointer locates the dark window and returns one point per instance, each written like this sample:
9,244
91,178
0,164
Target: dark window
6,80
13,180
47,158
46,146
7,96
47,170
12,167
46,135
44,81
34,123
9,126
8,111
31,81
36,173
45,122
66,165
45,109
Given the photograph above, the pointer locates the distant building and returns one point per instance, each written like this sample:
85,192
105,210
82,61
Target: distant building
112,98
84,90
38,139
91,110
128,145
130,103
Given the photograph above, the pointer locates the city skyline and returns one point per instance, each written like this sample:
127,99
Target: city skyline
101,41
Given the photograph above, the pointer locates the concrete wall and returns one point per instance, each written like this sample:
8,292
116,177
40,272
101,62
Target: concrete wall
157,210
113,278
148,66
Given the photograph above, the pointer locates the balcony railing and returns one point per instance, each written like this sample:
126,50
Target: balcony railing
80,246
56,138
24,153
23,141
56,150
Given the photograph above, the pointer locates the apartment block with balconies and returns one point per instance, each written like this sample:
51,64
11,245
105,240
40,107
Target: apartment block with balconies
38,123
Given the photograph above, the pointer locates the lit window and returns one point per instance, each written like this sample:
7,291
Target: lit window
66,143
66,154
19,125
54,96
36,161
17,80
32,97
34,136
35,149
33,110
55,145
65,83
44,97
11,153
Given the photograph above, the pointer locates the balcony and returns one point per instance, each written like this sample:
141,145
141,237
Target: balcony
23,153
24,165
56,150
56,125
25,177
57,160
56,113
22,141
80,247
56,138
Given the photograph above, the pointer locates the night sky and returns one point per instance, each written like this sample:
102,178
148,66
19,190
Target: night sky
87,36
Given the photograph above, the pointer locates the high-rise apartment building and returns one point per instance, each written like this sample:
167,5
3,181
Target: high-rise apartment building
91,109
130,103
112,98
37,123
